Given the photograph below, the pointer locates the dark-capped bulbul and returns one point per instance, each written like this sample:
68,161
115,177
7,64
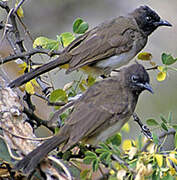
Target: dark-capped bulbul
98,114
104,48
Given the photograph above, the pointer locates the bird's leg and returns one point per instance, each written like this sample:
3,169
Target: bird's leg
143,127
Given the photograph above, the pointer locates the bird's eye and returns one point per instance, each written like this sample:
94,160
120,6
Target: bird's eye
148,18
134,78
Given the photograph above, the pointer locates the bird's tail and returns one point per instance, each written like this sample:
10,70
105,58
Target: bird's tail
61,60
29,162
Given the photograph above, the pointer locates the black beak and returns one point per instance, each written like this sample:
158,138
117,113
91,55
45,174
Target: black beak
146,86
162,23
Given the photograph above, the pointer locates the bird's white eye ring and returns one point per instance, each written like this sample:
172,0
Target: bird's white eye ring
148,18
134,78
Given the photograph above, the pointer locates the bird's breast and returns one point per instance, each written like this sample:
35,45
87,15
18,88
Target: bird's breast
108,132
117,60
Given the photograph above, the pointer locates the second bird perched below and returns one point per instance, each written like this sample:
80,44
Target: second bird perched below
100,112
106,47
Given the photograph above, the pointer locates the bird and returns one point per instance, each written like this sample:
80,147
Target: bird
104,48
98,114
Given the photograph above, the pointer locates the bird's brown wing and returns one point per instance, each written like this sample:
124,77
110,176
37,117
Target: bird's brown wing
101,42
95,110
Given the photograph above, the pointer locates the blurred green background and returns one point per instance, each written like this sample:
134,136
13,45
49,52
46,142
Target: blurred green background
51,17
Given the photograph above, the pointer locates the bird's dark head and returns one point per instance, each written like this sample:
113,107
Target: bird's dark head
137,78
148,20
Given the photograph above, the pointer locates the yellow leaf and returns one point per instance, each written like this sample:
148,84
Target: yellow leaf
23,67
117,166
19,11
112,172
172,171
67,38
161,76
29,88
46,43
126,127
126,145
160,68
159,159
34,82
145,56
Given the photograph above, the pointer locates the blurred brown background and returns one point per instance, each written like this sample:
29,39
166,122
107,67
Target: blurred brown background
49,18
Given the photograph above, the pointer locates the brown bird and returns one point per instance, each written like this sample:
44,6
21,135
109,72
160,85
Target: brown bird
98,114
106,47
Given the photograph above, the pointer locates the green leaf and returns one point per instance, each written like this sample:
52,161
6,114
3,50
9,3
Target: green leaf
95,165
167,59
167,177
115,139
58,95
116,150
80,26
100,151
163,119
156,176
66,38
164,127
176,140
103,156
155,138
170,117
90,154
88,160
89,157
46,43
175,127
133,163
152,122
104,146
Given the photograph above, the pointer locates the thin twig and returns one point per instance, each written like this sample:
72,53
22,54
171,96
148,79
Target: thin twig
26,138
29,54
25,28
152,68
162,135
3,4
9,150
121,162
146,131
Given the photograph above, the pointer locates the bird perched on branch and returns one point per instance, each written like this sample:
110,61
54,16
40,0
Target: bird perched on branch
106,47
98,114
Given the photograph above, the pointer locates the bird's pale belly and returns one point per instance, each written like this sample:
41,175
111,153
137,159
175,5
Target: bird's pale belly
110,131
117,61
